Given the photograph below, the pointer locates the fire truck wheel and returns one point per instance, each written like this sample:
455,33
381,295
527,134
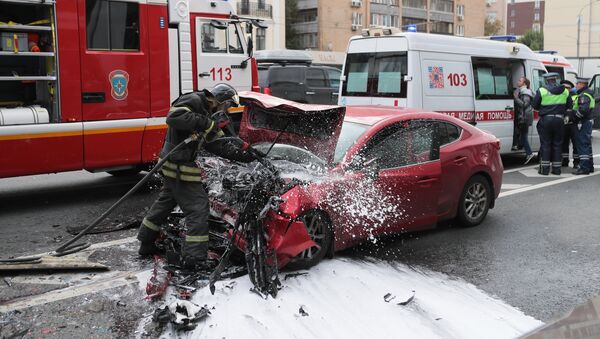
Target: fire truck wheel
474,201
125,173
319,228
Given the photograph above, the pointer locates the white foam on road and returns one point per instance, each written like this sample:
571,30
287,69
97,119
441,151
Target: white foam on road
345,299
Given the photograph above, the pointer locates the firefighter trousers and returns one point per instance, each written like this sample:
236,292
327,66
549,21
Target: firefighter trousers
193,201
551,129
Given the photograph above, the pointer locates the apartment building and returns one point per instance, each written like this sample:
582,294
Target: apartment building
328,25
496,10
523,15
272,12
469,20
565,20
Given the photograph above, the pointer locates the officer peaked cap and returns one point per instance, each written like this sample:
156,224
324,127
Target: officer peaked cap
550,75
584,80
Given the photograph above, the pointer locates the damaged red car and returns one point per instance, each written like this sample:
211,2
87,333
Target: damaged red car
337,176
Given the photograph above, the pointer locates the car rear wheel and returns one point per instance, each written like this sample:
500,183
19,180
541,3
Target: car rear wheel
474,201
320,231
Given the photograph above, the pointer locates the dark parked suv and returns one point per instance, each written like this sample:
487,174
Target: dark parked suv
304,83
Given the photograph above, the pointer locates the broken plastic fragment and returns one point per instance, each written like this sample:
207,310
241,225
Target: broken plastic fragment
388,297
407,301
302,311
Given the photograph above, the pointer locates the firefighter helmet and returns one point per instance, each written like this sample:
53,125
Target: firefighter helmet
224,92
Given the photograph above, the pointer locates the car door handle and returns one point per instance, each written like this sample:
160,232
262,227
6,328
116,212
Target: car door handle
460,160
92,97
426,180
310,93
204,74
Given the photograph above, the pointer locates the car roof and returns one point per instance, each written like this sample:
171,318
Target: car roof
371,115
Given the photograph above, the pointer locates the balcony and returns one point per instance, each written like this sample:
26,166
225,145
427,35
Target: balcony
417,13
255,9
390,8
307,4
306,27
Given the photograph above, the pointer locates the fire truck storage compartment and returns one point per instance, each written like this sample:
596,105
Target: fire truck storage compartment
28,77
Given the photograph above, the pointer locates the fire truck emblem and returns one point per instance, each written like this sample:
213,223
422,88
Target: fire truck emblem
118,84
436,76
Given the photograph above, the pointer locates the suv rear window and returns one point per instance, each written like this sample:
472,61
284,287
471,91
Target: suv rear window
286,74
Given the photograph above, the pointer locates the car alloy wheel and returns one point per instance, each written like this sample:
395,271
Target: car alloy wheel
476,201
319,228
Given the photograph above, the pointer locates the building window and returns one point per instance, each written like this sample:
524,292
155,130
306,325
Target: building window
536,27
460,30
536,16
309,40
422,4
112,25
460,10
537,4
442,6
261,40
386,2
512,24
384,20
512,12
357,19
421,24
442,27
492,16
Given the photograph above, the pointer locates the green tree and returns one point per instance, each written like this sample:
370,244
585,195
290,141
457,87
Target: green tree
492,27
292,38
533,39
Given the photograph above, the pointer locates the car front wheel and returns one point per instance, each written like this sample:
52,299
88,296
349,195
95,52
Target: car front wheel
320,231
474,201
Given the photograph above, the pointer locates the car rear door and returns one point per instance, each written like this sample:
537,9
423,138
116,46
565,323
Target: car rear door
456,158
317,89
410,172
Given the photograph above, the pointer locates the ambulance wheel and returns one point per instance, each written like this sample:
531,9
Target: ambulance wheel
319,228
474,202
125,173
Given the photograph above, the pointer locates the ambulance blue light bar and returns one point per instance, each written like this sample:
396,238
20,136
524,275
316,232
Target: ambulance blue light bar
508,38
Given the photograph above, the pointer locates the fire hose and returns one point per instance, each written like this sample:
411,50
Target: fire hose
70,246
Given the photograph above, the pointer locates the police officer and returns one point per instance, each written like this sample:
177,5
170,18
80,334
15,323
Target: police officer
552,101
570,130
583,108
190,113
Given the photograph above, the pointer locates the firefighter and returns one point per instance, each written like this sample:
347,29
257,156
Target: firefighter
570,130
583,108
552,101
190,113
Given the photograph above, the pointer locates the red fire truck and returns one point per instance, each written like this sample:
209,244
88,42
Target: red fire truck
86,84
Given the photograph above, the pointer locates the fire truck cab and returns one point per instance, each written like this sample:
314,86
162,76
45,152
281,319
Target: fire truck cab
87,84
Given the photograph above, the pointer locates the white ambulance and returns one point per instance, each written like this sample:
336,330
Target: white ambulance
471,79
556,63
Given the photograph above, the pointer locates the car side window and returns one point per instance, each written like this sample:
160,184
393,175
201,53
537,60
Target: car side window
447,132
403,144
315,78
334,78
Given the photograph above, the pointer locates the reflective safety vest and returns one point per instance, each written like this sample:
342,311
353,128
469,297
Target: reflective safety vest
549,99
576,100
181,172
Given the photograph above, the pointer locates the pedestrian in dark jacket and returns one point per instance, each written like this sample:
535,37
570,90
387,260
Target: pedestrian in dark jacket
182,186
552,102
524,114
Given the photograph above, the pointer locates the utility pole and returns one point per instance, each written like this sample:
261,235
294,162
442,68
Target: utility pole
578,33
590,31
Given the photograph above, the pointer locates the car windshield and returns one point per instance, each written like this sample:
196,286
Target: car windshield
350,133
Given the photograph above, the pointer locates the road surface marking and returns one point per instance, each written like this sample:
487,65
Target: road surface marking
122,279
519,169
513,186
546,184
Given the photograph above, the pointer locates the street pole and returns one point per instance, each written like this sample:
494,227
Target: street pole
578,34
590,31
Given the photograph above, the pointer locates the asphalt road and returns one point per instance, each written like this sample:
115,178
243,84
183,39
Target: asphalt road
537,250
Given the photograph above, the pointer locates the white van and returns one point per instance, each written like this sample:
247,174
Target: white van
556,63
471,79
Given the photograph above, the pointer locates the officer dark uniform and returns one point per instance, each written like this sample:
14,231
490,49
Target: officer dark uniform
570,130
182,185
552,102
583,107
